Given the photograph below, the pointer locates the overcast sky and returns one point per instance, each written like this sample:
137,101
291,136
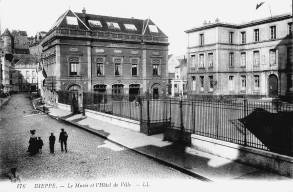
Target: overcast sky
173,16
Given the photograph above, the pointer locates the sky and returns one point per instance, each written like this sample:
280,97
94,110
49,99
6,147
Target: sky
173,17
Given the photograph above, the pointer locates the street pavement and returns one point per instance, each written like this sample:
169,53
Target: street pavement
88,157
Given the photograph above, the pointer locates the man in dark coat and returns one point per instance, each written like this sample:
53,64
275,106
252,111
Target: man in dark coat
52,142
63,139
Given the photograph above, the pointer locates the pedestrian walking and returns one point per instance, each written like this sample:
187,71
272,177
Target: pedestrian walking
40,144
52,139
32,148
63,139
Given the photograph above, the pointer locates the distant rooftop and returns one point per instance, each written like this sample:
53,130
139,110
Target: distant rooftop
242,25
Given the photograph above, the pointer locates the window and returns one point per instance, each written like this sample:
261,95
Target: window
156,63
273,57
71,20
95,23
130,27
192,60
201,39
243,82
100,66
231,83
256,58
134,63
243,37
243,59
256,35
290,28
34,73
117,91
34,80
201,61
27,73
210,59
211,81
256,81
201,83
231,59
117,66
273,32
27,80
113,25
231,37
73,66
153,29
193,83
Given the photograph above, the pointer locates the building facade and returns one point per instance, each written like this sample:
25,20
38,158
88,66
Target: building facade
110,55
253,58
17,65
24,74
177,70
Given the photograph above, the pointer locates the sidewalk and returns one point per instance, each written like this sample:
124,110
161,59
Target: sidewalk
198,164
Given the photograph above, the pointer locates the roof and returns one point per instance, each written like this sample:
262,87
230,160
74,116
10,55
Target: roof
24,59
6,33
243,25
94,22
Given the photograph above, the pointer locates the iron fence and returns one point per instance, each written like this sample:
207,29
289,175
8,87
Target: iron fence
265,125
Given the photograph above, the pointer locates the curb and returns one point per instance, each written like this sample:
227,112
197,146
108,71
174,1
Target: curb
161,161
5,102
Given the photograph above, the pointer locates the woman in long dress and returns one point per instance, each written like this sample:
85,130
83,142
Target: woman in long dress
32,148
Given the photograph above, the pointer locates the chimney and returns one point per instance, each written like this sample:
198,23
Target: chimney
83,11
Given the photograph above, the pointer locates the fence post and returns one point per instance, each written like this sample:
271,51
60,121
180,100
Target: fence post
245,105
217,119
148,115
181,121
193,116
83,103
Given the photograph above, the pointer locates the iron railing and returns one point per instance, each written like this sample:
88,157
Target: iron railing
265,125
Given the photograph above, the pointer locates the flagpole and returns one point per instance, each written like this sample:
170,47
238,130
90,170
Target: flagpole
270,9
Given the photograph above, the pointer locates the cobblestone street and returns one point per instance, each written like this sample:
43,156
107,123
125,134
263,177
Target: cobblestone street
88,157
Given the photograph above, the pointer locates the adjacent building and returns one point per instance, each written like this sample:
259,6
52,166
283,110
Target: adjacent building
17,65
253,58
87,52
177,73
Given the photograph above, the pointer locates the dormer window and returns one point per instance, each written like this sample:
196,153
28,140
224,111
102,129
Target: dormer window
113,25
95,23
130,27
153,29
71,20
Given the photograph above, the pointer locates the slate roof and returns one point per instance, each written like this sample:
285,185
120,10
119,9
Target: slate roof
83,23
6,33
24,59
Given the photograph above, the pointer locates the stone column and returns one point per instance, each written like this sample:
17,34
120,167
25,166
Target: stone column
57,71
144,69
89,66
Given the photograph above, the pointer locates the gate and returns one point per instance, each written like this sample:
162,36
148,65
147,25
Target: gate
273,86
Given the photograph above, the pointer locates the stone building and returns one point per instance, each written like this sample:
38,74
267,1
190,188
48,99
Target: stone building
24,73
16,62
177,73
105,54
253,58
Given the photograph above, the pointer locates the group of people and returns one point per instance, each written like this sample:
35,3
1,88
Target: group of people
36,143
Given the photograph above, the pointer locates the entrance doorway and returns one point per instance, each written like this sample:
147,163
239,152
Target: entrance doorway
75,98
155,93
133,91
273,86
